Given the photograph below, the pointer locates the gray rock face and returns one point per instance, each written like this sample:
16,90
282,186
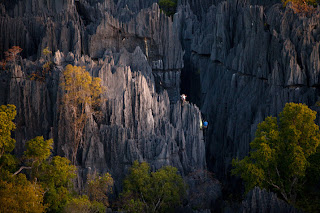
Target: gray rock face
93,27
261,201
136,51
138,123
251,60
240,61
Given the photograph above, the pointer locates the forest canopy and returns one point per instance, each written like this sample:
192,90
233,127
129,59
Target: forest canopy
285,156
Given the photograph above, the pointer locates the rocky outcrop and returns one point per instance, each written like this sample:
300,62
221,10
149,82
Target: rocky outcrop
239,61
137,123
258,200
251,60
91,27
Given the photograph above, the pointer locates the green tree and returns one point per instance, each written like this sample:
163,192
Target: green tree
280,153
38,149
49,178
81,92
55,175
20,195
7,114
98,188
168,6
7,143
82,204
146,191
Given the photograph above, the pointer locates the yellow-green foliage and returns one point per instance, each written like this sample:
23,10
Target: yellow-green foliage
47,65
80,88
46,52
80,92
50,175
82,204
55,176
38,149
146,191
7,114
279,154
20,195
99,187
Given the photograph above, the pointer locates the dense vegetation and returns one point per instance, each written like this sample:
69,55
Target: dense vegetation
38,182
146,191
285,157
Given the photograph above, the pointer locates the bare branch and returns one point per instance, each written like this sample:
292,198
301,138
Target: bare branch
21,168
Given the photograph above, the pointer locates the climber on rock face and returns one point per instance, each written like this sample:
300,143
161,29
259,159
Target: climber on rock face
205,124
183,98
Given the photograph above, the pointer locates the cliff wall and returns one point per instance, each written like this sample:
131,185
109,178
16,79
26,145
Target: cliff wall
245,62
239,61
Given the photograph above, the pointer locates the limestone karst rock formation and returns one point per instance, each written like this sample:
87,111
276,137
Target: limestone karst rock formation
239,61
251,59
138,56
258,200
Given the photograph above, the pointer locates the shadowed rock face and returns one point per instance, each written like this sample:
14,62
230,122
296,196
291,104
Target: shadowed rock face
250,61
258,200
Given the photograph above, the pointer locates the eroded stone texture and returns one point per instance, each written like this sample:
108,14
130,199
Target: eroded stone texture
137,123
260,201
92,27
251,61
241,61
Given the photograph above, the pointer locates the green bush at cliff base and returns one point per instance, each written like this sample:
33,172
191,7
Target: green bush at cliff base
285,157
146,191
168,6
82,204
46,182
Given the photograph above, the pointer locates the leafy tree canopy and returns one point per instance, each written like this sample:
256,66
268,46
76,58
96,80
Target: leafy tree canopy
281,153
7,114
98,188
55,176
38,149
82,204
81,93
20,195
49,181
146,191
168,6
